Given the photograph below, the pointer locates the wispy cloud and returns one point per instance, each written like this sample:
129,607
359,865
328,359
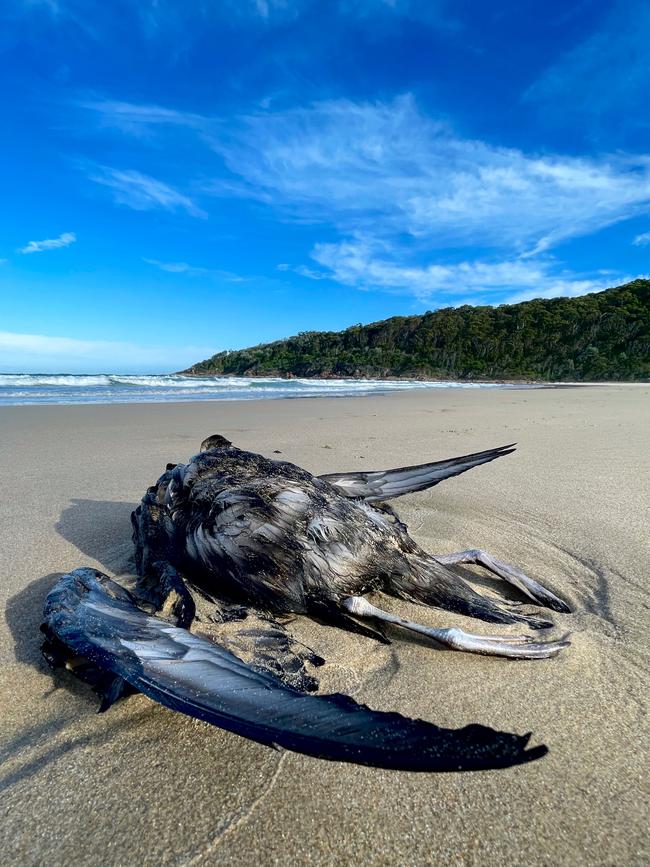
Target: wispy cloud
139,120
642,240
304,271
388,169
365,264
63,240
397,185
193,270
42,353
144,193
570,287
175,267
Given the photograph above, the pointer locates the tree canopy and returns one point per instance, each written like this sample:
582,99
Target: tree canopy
601,336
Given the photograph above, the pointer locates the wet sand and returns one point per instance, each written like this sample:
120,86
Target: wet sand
142,785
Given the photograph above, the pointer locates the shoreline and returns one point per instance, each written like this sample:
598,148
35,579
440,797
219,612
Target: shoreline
208,399
414,378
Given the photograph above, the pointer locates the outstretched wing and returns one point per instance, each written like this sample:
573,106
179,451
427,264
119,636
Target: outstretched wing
386,484
97,619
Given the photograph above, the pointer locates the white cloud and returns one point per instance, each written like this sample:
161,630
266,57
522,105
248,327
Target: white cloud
139,120
63,240
364,264
304,271
175,267
397,185
185,268
642,240
42,354
387,168
554,287
144,193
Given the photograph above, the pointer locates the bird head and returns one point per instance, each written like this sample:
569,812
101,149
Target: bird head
215,441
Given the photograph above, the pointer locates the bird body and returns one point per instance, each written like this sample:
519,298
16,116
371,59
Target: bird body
234,537
278,534
282,538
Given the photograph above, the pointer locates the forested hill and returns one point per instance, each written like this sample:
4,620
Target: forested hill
602,336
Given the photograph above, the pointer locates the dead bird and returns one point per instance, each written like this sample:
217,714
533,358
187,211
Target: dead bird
233,537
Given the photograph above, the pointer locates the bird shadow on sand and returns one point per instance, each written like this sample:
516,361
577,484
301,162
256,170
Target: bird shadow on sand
100,529
23,614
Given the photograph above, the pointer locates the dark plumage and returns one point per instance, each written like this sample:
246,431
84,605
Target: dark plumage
275,535
232,527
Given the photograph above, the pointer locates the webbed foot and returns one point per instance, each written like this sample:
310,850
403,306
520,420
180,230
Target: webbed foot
512,574
510,646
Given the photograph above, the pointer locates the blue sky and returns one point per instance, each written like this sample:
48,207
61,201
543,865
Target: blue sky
179,182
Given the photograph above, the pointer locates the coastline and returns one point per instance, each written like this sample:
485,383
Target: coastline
140,784
70,389
278,374
414,378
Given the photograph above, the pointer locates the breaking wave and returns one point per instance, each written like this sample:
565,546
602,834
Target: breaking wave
35,388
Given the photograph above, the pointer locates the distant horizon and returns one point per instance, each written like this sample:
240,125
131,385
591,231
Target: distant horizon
184,179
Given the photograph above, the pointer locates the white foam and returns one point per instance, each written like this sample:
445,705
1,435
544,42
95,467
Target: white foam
28,388
29,380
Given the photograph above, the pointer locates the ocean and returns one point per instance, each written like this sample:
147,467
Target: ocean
32,388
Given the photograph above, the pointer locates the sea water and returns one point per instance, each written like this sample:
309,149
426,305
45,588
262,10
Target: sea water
32,388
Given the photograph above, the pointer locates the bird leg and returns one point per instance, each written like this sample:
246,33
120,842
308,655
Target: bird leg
162,591
513,575
512,646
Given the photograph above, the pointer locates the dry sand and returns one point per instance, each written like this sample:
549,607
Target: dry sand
142,785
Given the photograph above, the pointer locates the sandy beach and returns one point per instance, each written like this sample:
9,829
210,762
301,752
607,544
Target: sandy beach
143,785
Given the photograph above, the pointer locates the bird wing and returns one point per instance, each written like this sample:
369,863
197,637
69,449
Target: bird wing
386,484
98,620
